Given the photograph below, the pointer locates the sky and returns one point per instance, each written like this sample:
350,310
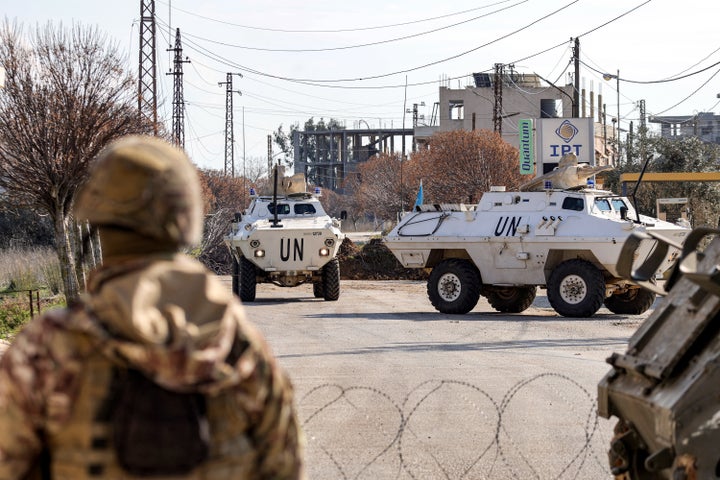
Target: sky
365,63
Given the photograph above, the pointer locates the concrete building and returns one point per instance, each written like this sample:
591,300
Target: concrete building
704,125
484,105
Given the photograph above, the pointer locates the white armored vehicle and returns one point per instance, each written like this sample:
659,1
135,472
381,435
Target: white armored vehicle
562,236
287,239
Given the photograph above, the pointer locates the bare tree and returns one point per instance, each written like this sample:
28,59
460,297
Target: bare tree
378,194
66,97
224,196
459,166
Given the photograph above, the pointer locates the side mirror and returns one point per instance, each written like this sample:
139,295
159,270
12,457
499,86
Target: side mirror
238,217
623,213
343,215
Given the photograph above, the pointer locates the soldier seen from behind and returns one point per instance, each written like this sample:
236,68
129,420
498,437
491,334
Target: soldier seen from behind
155,372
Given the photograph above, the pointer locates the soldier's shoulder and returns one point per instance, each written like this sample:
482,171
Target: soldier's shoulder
47,335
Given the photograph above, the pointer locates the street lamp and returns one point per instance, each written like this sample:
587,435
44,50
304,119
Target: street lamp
608,77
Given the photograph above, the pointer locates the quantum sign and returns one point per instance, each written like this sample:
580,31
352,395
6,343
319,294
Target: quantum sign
527,146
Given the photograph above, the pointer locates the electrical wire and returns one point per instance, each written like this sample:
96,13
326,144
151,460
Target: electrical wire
307,81
697,63
693,93
348,47
648,82
225,61
342,30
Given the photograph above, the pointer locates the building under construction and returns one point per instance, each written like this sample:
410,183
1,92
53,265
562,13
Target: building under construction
327,157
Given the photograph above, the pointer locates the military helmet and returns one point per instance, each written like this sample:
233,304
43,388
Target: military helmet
146,185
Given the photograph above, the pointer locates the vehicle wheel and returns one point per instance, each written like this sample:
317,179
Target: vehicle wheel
331,280
248,280
454,286
235,276
318,289
631,302
576,288
510,299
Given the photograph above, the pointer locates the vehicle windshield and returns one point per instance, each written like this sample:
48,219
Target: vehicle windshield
618,203
603,205
612,205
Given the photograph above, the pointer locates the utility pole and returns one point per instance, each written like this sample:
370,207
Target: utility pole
617,132
229,137
178,116
415,119
576,93
147,83
498,91
642,130
270,161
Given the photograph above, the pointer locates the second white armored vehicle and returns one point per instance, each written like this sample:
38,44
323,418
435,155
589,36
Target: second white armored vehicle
564,236
286,239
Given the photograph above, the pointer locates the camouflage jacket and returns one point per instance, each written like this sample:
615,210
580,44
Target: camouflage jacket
175,322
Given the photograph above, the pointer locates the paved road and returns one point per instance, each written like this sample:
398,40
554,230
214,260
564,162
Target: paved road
388,388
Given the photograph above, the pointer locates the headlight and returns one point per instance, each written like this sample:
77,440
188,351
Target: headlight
254,243
324,252
259,253
329,242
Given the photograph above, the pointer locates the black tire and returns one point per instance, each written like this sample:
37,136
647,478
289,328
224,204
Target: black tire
510,299
235,276
631,302
576,288
331,280
248,280
454,286
318,289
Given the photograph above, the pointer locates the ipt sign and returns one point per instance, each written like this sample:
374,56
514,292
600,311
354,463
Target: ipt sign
559,136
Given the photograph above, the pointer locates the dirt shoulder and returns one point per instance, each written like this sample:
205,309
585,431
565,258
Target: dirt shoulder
373,261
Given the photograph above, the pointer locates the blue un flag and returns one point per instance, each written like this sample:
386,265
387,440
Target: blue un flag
419,198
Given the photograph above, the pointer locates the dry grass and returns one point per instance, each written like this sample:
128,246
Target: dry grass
35,268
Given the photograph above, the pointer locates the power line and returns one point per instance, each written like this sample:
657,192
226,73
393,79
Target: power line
348,47
693,93
228,62
341,30
307,81
647,82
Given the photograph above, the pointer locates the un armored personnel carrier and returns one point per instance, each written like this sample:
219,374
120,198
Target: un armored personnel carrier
286,239
555,233
665,388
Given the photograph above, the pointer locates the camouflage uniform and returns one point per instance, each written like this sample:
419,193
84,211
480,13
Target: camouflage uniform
166,316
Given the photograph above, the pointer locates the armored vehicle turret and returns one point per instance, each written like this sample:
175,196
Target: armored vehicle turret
558,233
286,239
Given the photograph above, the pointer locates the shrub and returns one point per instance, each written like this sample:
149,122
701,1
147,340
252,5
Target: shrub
15,311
